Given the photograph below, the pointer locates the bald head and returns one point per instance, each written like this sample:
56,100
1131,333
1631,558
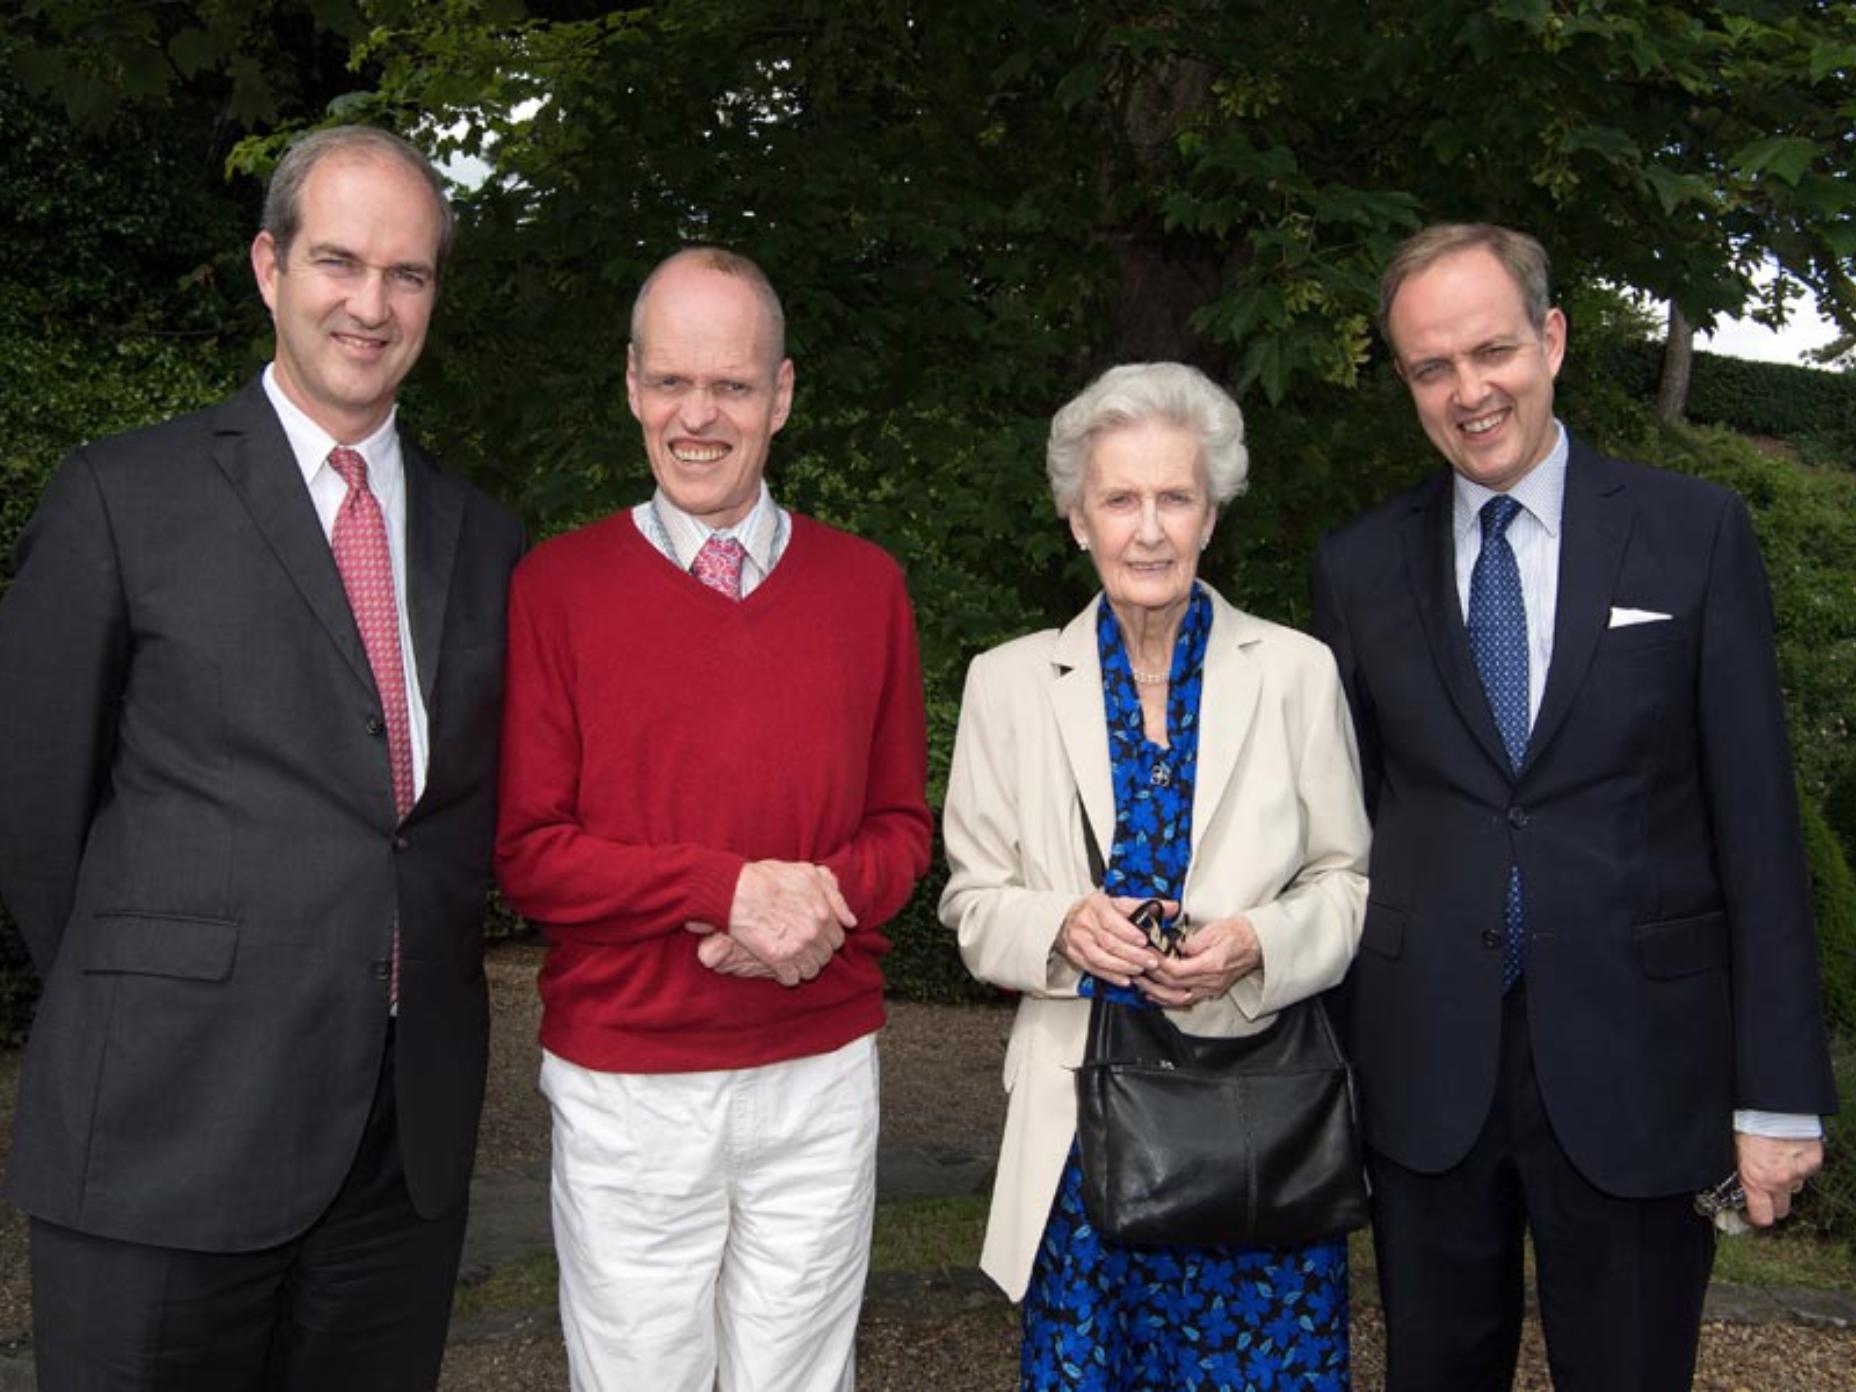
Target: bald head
723,262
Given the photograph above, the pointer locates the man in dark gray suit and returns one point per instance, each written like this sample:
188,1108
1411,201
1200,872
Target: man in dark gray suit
248,739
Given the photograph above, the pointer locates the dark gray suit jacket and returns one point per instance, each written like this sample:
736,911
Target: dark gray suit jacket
198,837
1671,961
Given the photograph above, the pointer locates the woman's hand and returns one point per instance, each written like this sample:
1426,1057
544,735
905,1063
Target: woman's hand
1097,938
1212,958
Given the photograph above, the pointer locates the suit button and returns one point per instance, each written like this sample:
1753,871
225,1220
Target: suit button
376,726
1491,939
1517,817
400,843
383,968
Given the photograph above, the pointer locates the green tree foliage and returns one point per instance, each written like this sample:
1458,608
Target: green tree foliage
974,205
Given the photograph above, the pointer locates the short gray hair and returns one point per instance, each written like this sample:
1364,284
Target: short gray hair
283,200
1524,258
1137,392
733,263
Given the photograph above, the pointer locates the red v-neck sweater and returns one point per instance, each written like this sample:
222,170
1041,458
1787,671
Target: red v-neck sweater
656,737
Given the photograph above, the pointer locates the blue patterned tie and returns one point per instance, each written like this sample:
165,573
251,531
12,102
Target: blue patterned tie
1498,639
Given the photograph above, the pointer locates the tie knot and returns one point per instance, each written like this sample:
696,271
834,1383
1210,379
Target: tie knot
1497,513
349,464
718,565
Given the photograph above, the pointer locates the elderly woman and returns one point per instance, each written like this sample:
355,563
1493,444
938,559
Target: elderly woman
1213,756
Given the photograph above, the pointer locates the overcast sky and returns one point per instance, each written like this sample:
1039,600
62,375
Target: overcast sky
1742,338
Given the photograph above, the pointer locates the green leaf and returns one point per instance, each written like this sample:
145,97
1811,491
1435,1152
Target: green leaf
1783,156
193,51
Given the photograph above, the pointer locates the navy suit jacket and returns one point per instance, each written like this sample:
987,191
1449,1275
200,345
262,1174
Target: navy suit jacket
199,841
1671,968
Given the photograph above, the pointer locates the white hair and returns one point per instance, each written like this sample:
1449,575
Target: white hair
1137,392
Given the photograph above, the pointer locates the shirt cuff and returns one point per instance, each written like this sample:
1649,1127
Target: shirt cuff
1779,1126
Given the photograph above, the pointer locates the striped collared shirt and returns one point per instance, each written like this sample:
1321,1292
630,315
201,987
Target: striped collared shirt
677,536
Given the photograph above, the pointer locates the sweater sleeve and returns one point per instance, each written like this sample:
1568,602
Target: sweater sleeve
583,887
879,864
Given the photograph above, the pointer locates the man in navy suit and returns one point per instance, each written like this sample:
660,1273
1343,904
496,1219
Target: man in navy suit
1587,986
253,691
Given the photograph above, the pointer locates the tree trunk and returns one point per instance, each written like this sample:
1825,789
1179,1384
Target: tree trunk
1162,277
1678,364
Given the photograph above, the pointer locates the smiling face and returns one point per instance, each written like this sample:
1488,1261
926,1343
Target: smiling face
1144,514
707,390
1480,375
353,295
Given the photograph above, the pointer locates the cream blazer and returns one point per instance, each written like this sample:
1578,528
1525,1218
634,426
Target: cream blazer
1279,834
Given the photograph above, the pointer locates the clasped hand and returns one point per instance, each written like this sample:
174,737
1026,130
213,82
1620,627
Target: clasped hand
1098,937
787,919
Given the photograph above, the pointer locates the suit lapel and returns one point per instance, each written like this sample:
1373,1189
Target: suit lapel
1594,526
1076,701
1430,563
434,520
252,451
1227,709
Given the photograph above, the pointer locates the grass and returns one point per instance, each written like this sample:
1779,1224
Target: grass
528,1283
925,1236
1785,1259
928,1236
934,1236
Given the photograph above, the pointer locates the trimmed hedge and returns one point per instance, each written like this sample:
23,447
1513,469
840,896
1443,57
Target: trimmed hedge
1800,404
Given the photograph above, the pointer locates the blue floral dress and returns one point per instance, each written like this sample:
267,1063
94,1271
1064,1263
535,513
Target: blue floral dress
1113,1318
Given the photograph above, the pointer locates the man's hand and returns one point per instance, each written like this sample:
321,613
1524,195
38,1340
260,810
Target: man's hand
1771,1171
721,953
790,916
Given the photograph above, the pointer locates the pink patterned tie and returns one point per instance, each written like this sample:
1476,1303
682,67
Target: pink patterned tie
359,540
718,565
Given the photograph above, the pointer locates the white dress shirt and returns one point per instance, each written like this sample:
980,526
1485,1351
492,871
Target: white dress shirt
1534,535
386,479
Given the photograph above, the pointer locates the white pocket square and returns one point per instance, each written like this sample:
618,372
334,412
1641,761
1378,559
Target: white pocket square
1624,618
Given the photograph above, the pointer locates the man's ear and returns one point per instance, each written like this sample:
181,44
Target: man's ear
1553,338
782,393
266,266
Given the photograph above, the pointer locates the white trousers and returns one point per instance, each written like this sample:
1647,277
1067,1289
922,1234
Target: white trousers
713,1229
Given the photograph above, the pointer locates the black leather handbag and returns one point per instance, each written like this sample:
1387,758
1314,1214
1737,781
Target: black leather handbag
1188,1139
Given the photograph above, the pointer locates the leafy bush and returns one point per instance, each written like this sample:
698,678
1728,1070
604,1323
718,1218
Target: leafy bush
1828,1205
926,965
19,985
1839,805
1833,900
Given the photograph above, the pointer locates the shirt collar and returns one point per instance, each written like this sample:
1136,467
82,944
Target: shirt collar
1540,492
310,443
687,534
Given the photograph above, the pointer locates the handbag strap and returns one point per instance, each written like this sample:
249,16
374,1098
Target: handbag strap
1097,872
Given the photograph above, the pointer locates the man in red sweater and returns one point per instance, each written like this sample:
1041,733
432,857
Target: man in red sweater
712,798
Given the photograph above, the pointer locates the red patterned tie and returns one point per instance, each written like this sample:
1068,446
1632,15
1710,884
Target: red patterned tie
718,565
359,540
